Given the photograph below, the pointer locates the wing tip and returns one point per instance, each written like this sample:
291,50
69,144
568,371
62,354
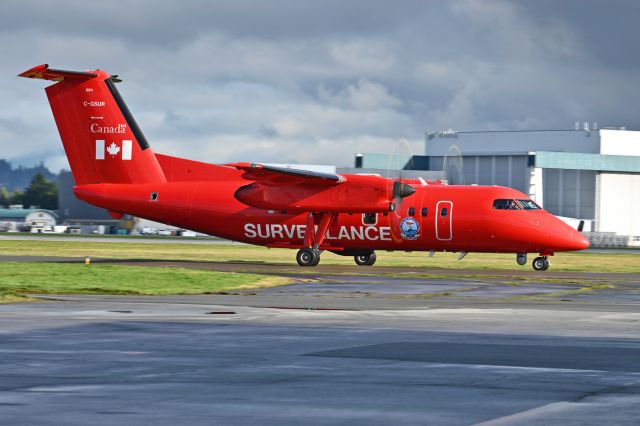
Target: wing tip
33,72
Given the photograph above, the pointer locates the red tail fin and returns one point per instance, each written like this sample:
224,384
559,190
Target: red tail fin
100,136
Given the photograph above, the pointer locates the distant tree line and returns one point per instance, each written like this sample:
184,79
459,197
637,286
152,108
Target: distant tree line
19,177
41,193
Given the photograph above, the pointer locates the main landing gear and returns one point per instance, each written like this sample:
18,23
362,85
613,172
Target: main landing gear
366,259
308,257
310,254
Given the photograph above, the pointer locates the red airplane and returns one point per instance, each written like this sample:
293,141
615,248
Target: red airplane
347,214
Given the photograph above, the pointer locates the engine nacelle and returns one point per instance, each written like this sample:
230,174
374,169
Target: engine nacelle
356,194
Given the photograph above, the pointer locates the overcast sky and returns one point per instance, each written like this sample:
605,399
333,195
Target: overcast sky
317,81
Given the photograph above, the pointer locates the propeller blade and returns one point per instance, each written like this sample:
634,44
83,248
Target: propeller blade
581,226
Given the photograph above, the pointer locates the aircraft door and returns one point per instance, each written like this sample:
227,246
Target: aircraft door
444,220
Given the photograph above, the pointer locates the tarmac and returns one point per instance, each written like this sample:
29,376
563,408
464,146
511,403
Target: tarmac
448,348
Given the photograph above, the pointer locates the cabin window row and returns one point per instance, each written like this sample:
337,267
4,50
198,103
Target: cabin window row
423,211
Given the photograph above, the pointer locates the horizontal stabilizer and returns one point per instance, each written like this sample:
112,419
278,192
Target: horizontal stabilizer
283,176
44,72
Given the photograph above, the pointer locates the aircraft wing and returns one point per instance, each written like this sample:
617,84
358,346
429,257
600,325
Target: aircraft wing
272,175
303,191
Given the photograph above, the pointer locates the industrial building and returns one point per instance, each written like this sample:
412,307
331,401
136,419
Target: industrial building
585,174
592,175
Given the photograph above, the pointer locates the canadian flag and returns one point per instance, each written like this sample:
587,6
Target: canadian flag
113,149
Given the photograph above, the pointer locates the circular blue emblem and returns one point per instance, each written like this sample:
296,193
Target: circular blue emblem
410,228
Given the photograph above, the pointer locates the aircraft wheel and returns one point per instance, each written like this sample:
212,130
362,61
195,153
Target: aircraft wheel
308,257
540,264
366,260
317,258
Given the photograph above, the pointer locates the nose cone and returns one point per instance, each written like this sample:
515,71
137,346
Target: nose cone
566,238
579,241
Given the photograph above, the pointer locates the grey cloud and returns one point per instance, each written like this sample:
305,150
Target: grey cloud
318,81
172,23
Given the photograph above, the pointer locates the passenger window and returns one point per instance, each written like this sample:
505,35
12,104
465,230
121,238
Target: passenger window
423,212
443,212
369,219
505,205
412,211
153,196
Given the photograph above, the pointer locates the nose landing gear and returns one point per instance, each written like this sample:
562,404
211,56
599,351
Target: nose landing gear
540,263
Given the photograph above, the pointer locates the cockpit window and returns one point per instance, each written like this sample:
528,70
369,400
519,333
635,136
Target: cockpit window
505,205
529,205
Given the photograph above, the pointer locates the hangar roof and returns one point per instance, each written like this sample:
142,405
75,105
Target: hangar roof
22,213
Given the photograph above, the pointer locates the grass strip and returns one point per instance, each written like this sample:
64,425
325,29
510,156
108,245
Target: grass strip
571,262
19,279
582,262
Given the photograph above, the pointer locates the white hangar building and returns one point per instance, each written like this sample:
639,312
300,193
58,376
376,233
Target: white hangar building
590,174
